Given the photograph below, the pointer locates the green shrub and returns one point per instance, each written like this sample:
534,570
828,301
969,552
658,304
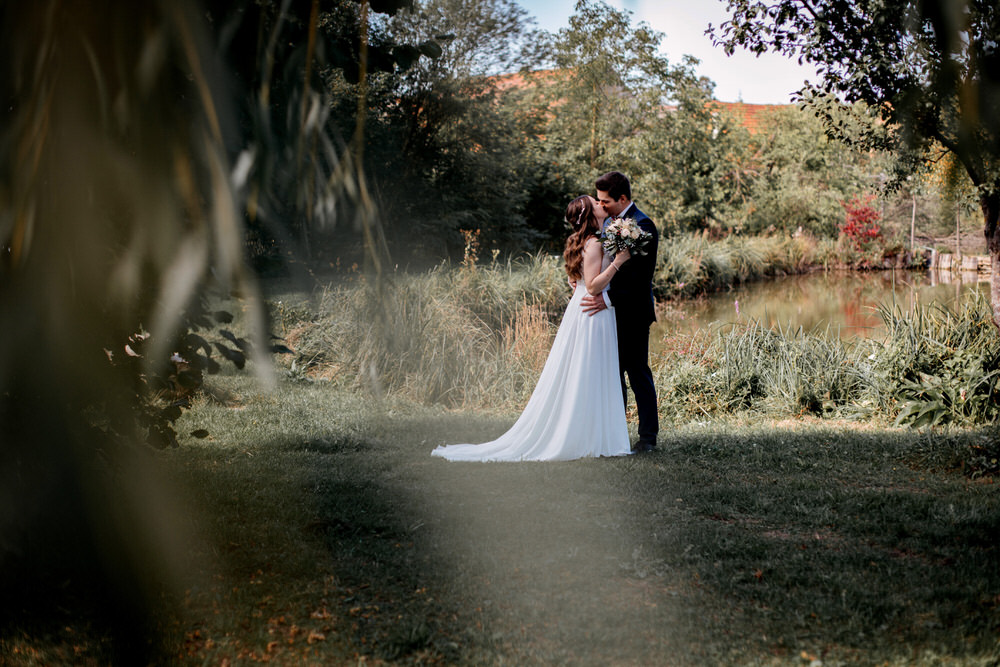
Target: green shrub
942,366
690,264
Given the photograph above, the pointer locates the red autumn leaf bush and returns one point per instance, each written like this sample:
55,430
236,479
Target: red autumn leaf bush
861,225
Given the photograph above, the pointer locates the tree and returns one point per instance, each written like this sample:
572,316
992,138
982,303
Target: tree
930,70
800,175
479,38
699,153
612,84
614,102
443,152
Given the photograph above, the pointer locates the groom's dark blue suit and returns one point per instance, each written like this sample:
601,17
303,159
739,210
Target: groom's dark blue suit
631,293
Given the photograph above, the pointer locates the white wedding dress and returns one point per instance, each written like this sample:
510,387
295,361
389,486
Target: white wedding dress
576,409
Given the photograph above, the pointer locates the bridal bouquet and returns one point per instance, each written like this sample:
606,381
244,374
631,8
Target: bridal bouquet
624,234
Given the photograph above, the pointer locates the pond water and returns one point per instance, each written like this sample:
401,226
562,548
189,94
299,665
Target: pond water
838,303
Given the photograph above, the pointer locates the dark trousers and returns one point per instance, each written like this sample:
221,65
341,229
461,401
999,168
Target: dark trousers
633,361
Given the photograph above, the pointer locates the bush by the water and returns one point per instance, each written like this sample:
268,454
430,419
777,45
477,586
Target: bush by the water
935,366
943,366
690,264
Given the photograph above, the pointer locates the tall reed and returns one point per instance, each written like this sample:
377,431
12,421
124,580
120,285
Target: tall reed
780,372
477,336
469,336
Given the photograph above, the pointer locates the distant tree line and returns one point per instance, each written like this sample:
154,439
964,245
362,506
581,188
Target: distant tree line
463,118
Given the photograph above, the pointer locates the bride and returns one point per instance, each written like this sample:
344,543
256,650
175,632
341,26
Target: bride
576,409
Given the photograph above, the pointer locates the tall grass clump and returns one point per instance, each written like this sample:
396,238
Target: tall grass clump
941,366
751,367
936,366
470,336
790,371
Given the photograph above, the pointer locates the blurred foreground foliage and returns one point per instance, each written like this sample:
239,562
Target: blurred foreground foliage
128,165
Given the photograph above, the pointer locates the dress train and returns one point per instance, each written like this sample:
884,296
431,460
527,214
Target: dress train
576,409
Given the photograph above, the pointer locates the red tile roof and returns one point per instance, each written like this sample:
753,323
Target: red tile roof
749,116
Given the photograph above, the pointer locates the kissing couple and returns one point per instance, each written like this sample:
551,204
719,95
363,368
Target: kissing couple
577,409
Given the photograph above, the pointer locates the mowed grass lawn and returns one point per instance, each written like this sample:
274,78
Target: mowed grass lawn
326,534
321,531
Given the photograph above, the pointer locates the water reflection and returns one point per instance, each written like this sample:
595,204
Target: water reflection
842,303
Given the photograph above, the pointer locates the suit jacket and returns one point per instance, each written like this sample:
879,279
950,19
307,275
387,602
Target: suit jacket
631,290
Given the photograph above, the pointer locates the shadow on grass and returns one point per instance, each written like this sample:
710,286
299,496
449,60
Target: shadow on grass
324,557
842,544
85,570
729,545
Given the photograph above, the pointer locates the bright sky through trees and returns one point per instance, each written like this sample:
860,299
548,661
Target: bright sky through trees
769,79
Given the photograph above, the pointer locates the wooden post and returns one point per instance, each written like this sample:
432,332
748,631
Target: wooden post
958,227
913,223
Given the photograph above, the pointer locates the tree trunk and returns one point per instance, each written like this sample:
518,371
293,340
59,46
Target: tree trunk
593,135
991,215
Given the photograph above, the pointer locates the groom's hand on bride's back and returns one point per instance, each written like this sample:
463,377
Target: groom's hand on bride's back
593,304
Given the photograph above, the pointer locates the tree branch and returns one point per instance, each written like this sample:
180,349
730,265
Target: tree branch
964,156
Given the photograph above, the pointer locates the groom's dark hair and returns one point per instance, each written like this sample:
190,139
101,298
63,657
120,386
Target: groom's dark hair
615,184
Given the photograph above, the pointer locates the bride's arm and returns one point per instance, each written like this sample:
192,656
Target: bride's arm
595,279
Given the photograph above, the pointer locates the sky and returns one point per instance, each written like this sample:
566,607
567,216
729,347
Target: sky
768,79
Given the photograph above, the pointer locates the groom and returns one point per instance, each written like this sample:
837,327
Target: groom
631,293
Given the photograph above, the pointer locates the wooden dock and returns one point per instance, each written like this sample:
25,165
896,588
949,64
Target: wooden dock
966,268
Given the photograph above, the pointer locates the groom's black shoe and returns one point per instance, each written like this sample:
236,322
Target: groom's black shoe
643,446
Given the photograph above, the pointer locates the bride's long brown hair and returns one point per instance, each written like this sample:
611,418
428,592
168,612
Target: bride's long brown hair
580,217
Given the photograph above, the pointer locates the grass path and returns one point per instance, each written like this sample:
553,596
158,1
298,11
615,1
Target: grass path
331,536
321,532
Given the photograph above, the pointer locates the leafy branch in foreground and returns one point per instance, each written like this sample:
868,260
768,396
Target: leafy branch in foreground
166,387
116,209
